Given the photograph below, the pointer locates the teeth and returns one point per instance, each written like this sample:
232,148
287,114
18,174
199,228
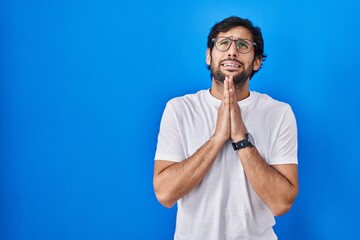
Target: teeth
230,65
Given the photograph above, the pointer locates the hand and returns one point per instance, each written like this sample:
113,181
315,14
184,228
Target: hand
222,131
238,130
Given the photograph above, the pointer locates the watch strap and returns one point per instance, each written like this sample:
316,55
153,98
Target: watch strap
242,143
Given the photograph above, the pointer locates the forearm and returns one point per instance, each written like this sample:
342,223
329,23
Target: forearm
277,189
176,180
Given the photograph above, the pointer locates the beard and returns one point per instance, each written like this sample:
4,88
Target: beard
239,79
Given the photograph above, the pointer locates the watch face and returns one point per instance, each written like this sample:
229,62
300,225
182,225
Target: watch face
250,139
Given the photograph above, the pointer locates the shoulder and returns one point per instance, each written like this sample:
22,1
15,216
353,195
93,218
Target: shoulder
271,109
265,101
187,100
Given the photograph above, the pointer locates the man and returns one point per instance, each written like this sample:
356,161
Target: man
227,155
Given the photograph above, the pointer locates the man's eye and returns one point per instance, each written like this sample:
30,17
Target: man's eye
224,42
242,44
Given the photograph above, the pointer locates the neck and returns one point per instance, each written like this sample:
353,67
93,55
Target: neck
217,90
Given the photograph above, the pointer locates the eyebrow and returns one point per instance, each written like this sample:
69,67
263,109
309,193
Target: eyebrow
231,36
234,38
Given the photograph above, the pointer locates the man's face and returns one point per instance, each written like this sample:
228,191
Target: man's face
231,62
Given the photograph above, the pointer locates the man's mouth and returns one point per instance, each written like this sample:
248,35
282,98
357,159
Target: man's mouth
231,65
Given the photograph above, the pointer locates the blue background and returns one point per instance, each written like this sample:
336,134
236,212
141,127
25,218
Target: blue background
83,85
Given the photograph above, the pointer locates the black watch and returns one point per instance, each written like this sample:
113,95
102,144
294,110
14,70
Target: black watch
247,142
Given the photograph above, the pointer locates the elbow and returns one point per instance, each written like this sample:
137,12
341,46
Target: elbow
281,209
284,206
167,204
165,200
163,197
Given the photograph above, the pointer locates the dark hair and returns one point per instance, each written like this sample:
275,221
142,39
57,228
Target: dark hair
234,21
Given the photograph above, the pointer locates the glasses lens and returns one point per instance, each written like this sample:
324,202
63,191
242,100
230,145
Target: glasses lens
223,44
243,45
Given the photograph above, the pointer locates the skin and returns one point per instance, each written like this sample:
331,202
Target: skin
276,185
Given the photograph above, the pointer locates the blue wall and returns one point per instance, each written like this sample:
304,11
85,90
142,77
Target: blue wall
83,85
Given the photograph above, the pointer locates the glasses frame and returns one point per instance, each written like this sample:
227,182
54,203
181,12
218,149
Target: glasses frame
214,40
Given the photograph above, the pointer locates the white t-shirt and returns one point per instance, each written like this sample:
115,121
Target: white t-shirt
224,205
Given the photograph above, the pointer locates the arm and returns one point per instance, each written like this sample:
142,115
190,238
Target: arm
276,185
174,180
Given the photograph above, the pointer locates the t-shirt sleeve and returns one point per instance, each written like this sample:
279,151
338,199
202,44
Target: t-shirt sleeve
169,145
286,144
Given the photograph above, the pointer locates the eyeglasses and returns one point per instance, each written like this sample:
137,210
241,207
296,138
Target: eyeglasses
224,43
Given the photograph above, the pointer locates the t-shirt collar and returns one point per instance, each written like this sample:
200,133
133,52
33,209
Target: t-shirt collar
243,103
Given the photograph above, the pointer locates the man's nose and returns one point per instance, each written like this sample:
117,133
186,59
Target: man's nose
232,52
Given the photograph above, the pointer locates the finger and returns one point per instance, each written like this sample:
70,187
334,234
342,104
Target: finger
231,84
231,81
226,84
226,93
232,94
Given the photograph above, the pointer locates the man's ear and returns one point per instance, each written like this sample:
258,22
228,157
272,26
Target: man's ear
208,57
257,63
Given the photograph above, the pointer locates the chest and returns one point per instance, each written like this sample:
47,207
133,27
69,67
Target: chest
198,124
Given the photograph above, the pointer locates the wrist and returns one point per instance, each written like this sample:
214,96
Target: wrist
218,139
238,137
247,142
